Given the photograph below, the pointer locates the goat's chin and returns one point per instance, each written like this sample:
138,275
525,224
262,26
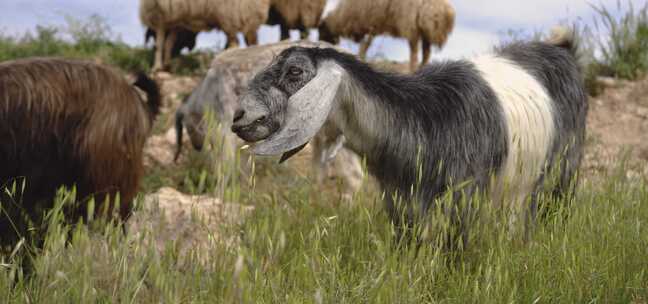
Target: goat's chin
253,136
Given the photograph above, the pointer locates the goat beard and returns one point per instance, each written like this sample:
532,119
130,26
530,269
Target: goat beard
291,153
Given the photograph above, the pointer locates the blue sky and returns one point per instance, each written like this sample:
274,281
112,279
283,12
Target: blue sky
478,27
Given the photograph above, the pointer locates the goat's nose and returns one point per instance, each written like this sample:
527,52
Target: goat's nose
238,114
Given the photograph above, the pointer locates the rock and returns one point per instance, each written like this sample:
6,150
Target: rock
192,222
160,149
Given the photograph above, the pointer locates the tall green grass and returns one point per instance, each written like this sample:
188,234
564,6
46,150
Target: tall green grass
298,247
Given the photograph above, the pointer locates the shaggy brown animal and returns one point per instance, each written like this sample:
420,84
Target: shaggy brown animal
296,14
428,21
69,123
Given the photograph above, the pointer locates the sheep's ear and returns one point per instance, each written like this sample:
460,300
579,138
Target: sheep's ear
306,112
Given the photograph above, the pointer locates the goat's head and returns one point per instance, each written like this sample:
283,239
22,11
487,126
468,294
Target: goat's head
287,103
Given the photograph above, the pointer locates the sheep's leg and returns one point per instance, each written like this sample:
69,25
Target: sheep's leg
414,49
168,47
285,32
159,49
303,34
427,49
232,41
364,46
251,38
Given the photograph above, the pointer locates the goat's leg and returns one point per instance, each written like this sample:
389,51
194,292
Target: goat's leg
427,49
168,47
160,34
364,46
414,49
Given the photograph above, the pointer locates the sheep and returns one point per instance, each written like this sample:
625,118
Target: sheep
70,123
295,14
452,123
230,16
184,39
429,21
219,91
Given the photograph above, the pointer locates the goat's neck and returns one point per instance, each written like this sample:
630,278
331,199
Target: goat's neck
361,118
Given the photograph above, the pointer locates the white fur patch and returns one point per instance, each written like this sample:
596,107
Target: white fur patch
528,111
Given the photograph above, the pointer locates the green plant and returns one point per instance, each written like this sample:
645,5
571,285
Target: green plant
622,41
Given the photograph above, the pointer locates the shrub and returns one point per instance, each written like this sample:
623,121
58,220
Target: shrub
622,41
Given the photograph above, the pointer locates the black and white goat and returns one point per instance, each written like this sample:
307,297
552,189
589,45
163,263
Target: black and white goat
514,115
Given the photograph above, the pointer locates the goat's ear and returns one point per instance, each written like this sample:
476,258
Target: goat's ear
306,112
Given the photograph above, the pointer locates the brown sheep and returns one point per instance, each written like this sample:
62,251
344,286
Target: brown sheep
295,14
69,123
230,16
429,21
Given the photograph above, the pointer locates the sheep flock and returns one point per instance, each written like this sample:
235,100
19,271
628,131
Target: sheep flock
428,22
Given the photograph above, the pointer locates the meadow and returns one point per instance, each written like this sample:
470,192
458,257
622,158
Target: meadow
304,245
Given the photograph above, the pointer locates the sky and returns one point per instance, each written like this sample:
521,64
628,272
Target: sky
479,24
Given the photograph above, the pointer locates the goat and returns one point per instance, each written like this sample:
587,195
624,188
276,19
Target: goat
503,121
70,123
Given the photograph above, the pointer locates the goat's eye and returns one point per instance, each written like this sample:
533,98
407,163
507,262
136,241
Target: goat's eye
295,71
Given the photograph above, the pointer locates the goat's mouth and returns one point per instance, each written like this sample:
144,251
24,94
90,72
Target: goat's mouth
258,134
255,132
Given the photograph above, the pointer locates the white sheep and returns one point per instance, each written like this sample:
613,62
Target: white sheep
428,21
230,16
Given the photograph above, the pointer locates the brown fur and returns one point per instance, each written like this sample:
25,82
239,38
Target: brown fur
429,21
65,123
230,16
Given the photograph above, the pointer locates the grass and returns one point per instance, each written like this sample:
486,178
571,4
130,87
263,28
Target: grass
298,247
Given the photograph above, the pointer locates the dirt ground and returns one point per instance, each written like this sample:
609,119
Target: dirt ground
616,129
